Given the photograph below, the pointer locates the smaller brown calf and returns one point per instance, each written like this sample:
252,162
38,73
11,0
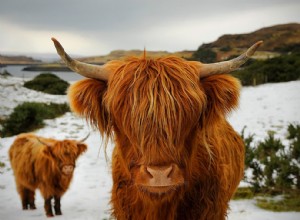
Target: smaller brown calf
45,164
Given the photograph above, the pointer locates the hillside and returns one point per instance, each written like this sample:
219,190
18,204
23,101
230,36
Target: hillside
277,39
9,60
274,37
121,54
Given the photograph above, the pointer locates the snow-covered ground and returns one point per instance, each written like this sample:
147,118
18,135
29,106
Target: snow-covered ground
13,93
262,108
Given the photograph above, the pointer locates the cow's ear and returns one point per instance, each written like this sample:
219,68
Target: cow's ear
222,93
86,100
81,148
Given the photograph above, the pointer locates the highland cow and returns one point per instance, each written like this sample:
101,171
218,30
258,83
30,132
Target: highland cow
175,156
45,164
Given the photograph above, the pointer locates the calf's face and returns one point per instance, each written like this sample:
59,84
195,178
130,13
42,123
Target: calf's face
65,153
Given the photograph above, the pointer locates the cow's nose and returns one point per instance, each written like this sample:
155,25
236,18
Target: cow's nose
68,169
160,176
159,179
159,173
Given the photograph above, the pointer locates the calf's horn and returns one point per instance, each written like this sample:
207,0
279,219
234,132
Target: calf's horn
227,66
84,69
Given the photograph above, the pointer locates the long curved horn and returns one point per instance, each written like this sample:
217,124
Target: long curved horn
227,66
84,139
84,69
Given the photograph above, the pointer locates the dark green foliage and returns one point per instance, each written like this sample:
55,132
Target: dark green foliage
2,164
225,48
274,168
48,83
243,193
270,153
279,69
290,202
205,55
290,48
249,154
29,116
294,137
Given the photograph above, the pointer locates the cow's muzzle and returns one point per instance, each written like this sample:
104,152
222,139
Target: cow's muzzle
68,169
159,179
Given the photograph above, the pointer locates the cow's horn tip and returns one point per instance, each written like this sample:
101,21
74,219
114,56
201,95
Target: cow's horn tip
258,43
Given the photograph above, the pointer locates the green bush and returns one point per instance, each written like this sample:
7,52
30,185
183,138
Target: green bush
48,83
279,69
205,55
274,168
291,48
294,137
29,116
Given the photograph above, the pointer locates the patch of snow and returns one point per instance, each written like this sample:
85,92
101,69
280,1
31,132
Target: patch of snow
13,93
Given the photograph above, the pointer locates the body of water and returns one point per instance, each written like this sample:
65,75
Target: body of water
16,70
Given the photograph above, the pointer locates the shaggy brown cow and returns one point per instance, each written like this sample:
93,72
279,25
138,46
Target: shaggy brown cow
176,156
46,164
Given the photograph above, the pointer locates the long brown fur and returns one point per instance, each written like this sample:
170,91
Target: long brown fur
159,112
37,166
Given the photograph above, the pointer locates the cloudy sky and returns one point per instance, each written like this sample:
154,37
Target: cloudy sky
96,27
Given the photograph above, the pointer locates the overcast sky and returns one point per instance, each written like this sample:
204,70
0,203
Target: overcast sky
96,27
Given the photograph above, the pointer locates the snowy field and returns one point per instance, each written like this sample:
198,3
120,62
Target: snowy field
262,108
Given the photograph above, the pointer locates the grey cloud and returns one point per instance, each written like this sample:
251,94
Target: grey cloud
120,15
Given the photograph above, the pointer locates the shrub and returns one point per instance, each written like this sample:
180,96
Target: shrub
205,55
29,116
48,83
225,48
274,169
294,137
279,69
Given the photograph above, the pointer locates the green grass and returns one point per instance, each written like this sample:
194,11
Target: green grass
243,193
272,201
289,202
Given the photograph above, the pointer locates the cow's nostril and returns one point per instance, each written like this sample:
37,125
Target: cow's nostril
160,172
145,169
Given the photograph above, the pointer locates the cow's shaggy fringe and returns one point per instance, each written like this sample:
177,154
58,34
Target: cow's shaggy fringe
160,112
160,107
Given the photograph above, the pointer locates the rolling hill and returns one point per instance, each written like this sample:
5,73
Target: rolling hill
277,39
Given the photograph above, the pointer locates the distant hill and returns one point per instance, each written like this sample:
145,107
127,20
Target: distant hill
8,60
121,54
277,39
